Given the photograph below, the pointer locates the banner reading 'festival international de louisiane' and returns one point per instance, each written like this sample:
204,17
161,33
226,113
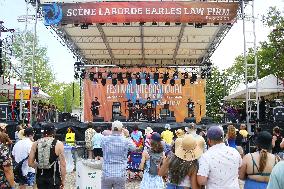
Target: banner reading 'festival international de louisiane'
176,96
146,11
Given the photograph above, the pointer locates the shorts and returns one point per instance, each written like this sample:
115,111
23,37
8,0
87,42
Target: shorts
98,152
29,179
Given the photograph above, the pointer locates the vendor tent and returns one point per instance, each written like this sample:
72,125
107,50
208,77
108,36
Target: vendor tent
8,86
266,86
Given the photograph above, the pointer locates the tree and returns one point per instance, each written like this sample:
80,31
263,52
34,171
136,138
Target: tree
44,76
62,96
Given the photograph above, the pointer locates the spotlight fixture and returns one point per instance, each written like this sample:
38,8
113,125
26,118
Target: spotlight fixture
129,77
156,78
103,81
119,76
172,82
76,75
154,23
167,23
114,81
193,78
100,75
198,25
182,81
84,26
138,81
165,78
185,75
175,75
91,76
203,73
109,75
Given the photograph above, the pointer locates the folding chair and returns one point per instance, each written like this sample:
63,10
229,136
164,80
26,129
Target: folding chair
133,165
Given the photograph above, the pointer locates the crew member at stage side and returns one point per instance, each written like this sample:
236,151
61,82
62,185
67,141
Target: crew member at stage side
190,108
149,106
95,105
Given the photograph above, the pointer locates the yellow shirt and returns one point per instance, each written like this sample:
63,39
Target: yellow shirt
244,133
167,136
70,139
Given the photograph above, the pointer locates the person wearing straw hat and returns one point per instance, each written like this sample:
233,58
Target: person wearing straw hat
219,165
182,165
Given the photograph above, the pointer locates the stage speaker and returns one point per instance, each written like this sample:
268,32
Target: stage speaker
63,117
98,119
278,114
170,119
119,118
206,120
190,120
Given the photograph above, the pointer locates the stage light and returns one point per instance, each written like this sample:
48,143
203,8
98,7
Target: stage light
203,73
142,23
175,75
138,81
165,78
103,81
156,78
154,23
167,23
178,23
91,76
114,24
114,81
193,78
129,77
182,81
83,73
172,82
84,26
127,23
138,75
109,75
198,25
119,76
76,75
100,75
185,75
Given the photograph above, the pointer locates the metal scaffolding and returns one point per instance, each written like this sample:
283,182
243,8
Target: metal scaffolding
251,72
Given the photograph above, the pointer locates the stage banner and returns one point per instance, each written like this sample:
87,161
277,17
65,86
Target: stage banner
176,96
145,11
26,94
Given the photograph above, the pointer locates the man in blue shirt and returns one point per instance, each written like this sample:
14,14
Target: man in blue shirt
115,149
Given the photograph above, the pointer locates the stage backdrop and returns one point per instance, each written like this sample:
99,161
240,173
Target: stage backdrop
176,96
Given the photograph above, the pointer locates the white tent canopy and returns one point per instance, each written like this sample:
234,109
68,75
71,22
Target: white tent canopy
266,86
7,87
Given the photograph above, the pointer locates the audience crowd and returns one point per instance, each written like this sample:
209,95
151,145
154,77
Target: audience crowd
213,158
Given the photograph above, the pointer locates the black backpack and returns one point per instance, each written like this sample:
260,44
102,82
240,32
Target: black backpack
18,173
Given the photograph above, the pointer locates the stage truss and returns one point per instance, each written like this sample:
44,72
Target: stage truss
137,44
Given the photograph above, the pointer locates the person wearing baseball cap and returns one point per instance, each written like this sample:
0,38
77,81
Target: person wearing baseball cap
115,150
219,165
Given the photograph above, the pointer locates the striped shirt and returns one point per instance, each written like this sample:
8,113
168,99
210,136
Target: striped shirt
115,149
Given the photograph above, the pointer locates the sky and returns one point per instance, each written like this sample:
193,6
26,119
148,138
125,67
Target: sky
61,59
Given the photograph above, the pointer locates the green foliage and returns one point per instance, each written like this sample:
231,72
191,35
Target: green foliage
62,96
44,76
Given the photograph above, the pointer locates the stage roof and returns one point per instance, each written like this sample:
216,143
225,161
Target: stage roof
139,44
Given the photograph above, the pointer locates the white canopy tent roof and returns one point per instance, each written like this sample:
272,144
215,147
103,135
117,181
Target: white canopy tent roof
7,87
266,86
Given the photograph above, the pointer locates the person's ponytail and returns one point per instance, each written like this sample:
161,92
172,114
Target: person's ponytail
262,160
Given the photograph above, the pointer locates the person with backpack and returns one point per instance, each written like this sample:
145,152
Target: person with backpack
47,157
24,175
151,161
